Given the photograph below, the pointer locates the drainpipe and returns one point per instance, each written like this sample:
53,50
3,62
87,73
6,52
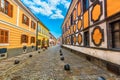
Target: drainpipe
37,37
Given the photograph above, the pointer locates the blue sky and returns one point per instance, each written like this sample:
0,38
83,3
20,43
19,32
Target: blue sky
50,12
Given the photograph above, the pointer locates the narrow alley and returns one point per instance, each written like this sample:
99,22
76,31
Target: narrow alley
48,66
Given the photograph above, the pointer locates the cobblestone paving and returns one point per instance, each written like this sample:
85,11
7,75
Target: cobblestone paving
48,66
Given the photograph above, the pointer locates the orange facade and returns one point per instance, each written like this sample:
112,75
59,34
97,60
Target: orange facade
113,7
16,26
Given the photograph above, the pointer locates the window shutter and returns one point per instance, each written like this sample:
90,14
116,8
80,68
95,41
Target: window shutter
10,10
0,36
27,21
26,39
31,24
22,18
31,40
21,38
34,25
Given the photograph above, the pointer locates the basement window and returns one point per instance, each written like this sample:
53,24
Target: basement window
86,38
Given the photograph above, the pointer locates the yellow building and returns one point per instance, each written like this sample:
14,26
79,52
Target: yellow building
43,36
17,28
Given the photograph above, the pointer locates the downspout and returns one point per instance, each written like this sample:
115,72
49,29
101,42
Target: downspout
37,37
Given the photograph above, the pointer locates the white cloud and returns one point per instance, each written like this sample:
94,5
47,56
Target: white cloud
47,7
58,14
65,3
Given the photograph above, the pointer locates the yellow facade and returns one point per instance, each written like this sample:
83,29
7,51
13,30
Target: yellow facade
16,28
43,35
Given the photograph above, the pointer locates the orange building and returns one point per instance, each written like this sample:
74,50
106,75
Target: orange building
92,27
17,28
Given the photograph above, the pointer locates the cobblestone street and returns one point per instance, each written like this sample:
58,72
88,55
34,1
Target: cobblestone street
48,66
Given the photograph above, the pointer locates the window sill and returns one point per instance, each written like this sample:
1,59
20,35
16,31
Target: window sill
32,43
4,44
115,49
24,44
25,24
5,14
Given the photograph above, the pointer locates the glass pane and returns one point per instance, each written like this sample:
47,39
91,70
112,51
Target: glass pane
116,26
87,4
2,3
25,19
2,32
6,39
6,33
116,35
116,39
117,44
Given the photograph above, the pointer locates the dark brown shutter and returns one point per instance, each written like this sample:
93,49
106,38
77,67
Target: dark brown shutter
34,25
34,39
22,18
31,40
31,24
10,10
27,21
26,39
0,36
21,38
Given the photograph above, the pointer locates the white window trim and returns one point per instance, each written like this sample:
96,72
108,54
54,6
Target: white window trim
4,44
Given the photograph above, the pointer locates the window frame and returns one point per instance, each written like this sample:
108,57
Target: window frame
112,31
33,25
39,42
23,19
9,8
4,36
32,39
25,40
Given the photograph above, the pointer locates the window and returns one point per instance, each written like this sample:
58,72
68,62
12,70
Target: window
25,19
115,31
85,5
4,36
24,39
33,24
6,7
39,42
32,39
86,38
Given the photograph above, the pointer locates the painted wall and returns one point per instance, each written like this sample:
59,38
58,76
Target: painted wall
16,28
43,33
92,20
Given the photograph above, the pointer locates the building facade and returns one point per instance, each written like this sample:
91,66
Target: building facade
43,36
17,28
92,27
52,40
